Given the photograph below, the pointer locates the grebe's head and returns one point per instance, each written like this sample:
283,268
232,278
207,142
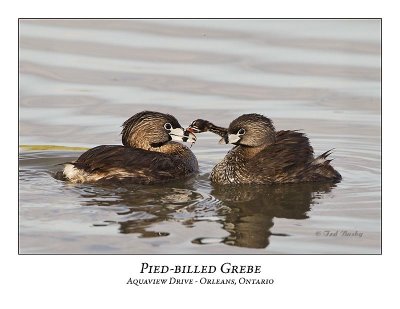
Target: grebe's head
250,130
153,129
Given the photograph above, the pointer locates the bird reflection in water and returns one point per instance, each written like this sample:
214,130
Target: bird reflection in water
254,207
141,207
246,212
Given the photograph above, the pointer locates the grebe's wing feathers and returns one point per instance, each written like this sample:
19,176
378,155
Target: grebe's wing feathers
292,149
292,145
291,159
125,162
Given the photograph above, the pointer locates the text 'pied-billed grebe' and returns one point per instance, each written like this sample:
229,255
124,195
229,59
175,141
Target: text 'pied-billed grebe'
263,156
148,155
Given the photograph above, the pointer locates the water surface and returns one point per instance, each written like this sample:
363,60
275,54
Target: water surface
80,79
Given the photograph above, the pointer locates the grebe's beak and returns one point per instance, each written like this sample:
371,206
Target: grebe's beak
182,135
189,136
230,139
233,138
224,140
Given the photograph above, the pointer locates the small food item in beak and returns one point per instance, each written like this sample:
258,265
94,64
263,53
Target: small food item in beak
189,137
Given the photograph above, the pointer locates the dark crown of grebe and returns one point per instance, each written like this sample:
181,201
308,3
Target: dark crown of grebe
148,130
251,130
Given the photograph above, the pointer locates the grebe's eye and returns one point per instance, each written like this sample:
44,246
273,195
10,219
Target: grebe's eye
241,131
167,126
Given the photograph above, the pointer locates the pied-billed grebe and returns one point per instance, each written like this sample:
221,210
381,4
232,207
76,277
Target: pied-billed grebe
148,154
264,156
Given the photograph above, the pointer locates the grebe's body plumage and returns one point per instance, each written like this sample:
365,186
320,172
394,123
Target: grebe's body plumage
148,154
263,156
